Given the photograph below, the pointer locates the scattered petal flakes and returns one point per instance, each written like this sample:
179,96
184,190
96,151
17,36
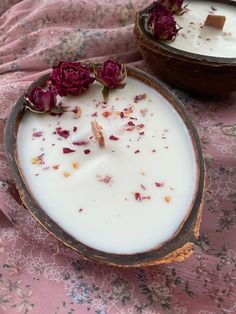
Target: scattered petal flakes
167,199
87,151
77,111
140,197
130,126
137,196
113,138
62,133
143,112
56,167
37,134
128,111
80,143
38,160
143,187
66,174
159,184
105,179
140,97
122,115
140,126
146,197
75,165
67,150
106,114
130,123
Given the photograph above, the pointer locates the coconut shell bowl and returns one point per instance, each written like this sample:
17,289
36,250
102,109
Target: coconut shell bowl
205,74
179,245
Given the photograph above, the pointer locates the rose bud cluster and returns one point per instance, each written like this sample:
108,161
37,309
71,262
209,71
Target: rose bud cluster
161,24
41,100
111,74
73,78
70,78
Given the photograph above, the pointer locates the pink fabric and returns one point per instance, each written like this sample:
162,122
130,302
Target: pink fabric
37,274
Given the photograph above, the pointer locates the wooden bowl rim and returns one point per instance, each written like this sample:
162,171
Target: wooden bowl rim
152,43
186,232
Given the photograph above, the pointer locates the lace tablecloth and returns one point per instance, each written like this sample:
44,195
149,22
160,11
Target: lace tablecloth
36,274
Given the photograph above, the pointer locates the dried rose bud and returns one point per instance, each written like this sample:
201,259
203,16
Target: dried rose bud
173,5
110,74
161,23
70,78
40,100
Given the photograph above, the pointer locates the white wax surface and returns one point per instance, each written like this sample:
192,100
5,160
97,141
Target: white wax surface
107,216
206,40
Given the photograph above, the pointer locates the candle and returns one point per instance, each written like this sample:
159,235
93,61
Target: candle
129,192
206,40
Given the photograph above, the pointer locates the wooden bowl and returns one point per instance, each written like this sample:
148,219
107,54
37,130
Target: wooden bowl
204,75
178,248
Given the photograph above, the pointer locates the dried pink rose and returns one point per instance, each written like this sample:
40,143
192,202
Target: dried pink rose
173,5
41,100
70,78
161,24
111,74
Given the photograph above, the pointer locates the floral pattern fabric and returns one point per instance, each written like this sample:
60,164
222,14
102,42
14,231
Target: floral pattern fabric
38,274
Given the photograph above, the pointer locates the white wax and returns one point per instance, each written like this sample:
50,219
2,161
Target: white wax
205,40
107,216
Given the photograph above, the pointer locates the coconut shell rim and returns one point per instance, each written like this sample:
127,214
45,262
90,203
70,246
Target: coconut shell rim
159,45
186,233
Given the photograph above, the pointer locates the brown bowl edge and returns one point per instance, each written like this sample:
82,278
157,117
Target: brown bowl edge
152,44
176,249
